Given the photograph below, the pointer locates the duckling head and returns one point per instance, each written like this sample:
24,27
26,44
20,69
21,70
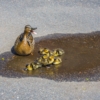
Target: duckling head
61,51
44,60
57,60
29,67
44,51
39,59
55,53
41,49
45,56
58,52
51,59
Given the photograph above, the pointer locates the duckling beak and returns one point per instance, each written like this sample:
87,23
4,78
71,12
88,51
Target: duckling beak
32,30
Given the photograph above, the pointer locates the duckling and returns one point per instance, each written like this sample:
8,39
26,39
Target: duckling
43,60
44,51
29,67
36,65
46,56
24,43
57,60
51,59
33,66
58,52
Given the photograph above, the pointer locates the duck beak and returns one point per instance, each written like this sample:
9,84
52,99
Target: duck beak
32,30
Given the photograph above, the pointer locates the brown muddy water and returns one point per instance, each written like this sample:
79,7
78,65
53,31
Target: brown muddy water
81,61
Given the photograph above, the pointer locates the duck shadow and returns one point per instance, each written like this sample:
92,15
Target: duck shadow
12,50
80,63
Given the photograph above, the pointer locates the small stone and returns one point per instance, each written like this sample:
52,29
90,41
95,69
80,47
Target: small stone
3,58
17,97
2,93
87,79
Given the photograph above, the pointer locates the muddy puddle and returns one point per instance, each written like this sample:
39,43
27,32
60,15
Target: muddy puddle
81,61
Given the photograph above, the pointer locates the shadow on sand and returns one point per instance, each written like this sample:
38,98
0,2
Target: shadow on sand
81,61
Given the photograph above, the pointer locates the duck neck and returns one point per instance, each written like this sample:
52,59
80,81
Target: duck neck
25,36
26,33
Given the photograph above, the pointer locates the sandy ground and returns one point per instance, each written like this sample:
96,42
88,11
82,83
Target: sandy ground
49,16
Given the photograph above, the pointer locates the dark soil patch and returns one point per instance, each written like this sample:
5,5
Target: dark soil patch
81,61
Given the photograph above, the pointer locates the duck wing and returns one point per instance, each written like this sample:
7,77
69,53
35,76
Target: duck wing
19,39
30,39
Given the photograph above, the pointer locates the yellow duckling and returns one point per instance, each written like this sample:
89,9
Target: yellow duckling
33,66
51,59
29,67
43,60
58,52
46,56
44,51
57,60
36,65
40,60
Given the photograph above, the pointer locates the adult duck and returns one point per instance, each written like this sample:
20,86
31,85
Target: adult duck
24,44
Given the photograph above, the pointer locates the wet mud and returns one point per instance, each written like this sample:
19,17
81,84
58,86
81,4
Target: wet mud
81,61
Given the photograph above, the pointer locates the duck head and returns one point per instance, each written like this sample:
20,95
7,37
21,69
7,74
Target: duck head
29,29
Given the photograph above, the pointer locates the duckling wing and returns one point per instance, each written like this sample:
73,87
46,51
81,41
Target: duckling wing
61,51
